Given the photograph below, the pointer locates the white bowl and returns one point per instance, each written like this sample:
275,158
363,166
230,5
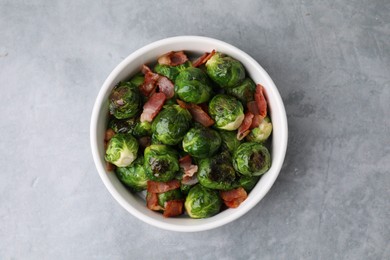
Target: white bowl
148,54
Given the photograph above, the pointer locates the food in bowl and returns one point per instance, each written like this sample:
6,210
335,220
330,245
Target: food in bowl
193,135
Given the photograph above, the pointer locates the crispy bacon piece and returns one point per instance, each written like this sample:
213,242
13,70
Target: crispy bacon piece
151,78
261,101
198,114
152,107
203,59
189,169
110,166
173,208
166,86
109,134
252,107
152,201
183,104
233,198
160,187
243,130
173,58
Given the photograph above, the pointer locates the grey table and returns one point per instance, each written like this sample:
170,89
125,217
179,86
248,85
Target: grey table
331,62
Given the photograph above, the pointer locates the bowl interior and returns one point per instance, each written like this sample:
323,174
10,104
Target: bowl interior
149,54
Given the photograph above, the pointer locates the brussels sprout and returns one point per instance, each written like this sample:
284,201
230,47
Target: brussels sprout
185,188
142,129
217,172
192,85
134,175
251,159
125,100
201,142
202,202
169,195
227,112
244,91
171,124
248,182
161,162
122,150
224,70
229,141
261,133
122,125
171,72
138,79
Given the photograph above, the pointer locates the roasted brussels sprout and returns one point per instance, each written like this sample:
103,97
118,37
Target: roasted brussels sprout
122,125
192,85
138,79
229,141
171,124
122,150
244,91
185,188
171,72
224,70
134,175
261,133
227,112
201,142
142,129
125,100
217,172
202,202
251,159
169,195
161,162
248,182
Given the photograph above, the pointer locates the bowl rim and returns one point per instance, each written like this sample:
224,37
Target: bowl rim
100,165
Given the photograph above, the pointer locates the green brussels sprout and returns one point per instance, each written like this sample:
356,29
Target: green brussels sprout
138,79
122,125
185,188
171,72
218,172
229,141
261,133
125,100
201,142
171,124
122,150
227,112
193,86
224,70
248,182
134,175
142,129
202,202
169,195
161,162
244,91
251,159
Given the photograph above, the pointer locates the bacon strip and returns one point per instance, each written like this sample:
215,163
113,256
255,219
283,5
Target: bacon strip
109,134
198,114
152,201
149,85
152,107
173,58
203,59
243,130
166,86
160,187
173,208
189,177
233,198
261,101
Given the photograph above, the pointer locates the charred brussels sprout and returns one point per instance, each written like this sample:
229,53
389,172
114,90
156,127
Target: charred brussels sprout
125,100
261,133
134,175
122,125
161,162
122,150
142,129
244,91
217,172
251,159
202,202
227,112
224,70
192,85
248,182
169,195
201,142
171,72
171,124
229,141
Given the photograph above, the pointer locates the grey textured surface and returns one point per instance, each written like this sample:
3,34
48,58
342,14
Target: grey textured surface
331,62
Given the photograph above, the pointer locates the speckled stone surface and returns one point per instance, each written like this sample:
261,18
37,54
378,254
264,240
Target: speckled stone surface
331,62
